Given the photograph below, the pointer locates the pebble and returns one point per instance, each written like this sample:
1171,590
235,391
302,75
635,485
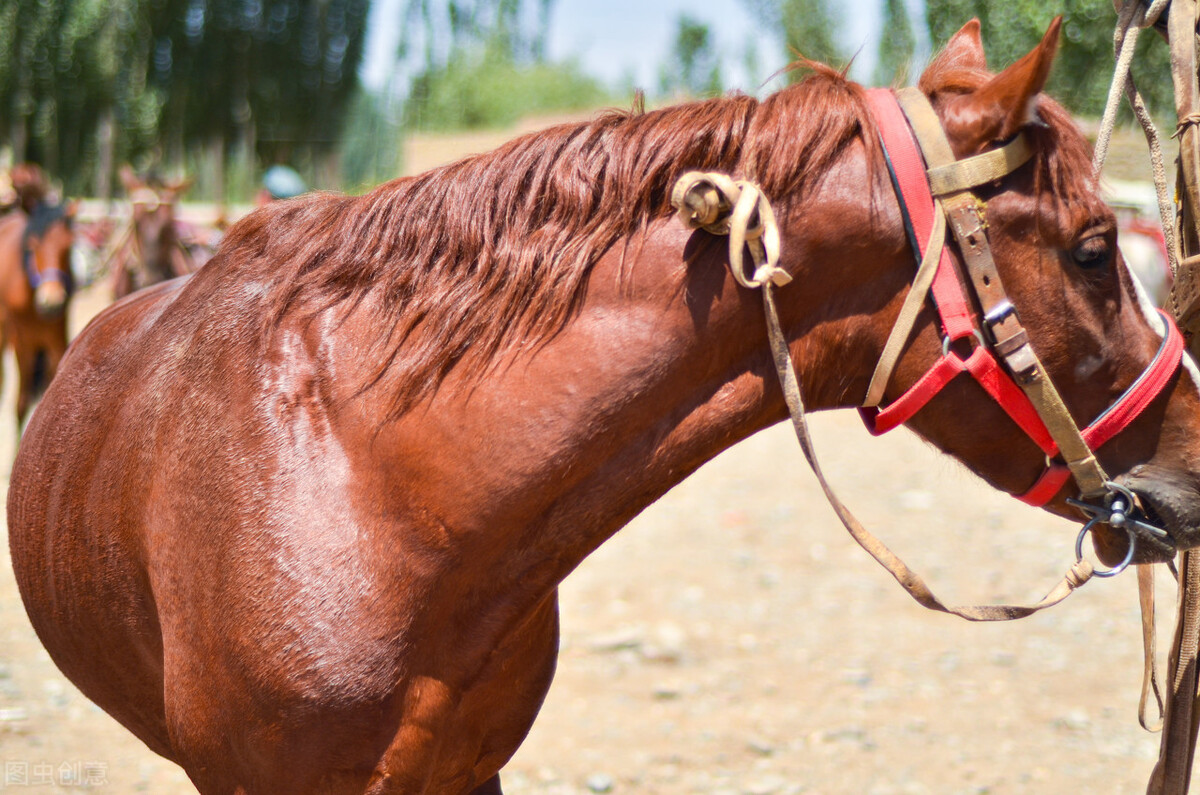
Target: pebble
600,782
760,746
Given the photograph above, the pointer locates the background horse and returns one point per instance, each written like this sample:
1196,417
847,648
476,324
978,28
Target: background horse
149,250
322,492
35,287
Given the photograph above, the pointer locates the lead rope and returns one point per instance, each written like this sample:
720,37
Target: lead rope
711,201
1133,17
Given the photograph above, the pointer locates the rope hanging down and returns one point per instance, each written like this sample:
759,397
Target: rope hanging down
1133,18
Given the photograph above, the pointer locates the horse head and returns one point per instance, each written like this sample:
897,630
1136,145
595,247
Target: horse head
1037,276
46,256
155,238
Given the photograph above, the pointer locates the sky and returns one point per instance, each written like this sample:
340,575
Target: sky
616,40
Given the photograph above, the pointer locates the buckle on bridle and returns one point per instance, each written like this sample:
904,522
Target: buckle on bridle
1118,509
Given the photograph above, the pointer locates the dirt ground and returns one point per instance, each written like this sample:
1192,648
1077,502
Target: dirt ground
733,640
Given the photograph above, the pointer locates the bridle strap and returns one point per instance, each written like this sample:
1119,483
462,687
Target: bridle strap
914,302
971,172
1000,322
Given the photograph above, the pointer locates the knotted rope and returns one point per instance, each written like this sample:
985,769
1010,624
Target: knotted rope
721,205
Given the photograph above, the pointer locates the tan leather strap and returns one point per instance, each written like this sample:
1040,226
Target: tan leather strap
703,200
981,169
1150,687
1079,573
1173,772
966,215
721,205
914,302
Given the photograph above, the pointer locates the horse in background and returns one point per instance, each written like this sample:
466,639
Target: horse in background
149,250
35,288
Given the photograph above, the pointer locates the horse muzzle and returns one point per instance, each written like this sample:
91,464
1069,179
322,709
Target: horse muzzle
50,299
1168,513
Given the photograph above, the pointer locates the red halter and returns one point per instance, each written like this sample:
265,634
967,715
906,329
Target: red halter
907,168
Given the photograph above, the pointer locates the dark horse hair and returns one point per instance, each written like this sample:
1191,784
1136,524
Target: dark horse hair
464,260
43,217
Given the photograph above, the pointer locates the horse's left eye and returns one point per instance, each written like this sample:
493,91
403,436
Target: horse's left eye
1092,254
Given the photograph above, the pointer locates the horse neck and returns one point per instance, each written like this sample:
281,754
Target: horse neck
665,366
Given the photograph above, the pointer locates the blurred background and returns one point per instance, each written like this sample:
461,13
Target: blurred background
221,90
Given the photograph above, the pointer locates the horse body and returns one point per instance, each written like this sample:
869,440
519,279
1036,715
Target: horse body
260,521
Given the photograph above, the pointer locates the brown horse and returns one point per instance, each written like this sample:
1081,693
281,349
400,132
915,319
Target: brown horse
35,287
298,521
149,250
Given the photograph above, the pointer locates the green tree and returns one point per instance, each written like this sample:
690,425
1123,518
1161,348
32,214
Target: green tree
809,27
87,83
1083,67
481,63
475,91
896,45
693,68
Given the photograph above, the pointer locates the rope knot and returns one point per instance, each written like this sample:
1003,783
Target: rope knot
721,205
1079,573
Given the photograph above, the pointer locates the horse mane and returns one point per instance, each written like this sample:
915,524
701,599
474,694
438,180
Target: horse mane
468,260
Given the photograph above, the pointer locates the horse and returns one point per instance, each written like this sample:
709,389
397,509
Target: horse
149,250
36,285
298,520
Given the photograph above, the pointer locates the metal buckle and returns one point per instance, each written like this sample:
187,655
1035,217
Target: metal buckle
999,313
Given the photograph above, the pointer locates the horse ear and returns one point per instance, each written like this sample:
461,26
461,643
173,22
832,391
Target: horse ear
964,50
1008,101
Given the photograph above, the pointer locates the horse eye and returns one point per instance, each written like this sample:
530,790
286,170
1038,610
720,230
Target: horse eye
1092,254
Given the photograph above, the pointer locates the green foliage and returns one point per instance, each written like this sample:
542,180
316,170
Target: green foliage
271,77
370,143
474,92
896,45
808,25
1083,67
481,63
693,68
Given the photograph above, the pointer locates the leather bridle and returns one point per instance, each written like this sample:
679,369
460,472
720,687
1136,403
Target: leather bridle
1001,358
931,184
